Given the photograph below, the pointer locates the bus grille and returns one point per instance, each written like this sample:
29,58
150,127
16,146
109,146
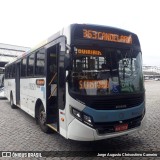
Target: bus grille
117,103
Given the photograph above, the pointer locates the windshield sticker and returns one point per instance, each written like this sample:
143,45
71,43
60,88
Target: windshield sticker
115,88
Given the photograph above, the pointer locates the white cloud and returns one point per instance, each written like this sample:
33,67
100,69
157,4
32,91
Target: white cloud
28,22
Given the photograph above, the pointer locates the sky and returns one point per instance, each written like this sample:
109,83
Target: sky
28,22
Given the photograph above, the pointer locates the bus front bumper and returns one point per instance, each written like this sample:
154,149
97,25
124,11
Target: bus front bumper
81,132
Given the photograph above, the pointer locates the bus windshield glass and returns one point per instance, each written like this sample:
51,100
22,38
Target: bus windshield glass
106,71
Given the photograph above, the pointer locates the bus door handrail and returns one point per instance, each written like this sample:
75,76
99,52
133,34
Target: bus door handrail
52,78
51,83
52,93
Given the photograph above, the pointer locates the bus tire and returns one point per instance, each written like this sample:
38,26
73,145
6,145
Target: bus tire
12,102
42,120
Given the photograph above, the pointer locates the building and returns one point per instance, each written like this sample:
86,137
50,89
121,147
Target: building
151,72
10,52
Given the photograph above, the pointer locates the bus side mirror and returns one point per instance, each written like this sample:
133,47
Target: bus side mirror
68,62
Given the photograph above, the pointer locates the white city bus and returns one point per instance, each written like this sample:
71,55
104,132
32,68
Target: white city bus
84,82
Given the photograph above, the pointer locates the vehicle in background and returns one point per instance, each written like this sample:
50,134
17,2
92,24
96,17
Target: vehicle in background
1,77
2,82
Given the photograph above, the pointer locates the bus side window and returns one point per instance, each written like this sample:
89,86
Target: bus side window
13,71
30,68
40,64
23,67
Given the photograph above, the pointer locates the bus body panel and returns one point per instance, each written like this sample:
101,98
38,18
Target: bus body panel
30,93
66,113
80,132
10,87
63,123
114,115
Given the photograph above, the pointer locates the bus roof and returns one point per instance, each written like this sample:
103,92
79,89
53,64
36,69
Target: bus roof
76,31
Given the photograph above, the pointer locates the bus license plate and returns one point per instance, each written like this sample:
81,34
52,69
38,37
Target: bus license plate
121,127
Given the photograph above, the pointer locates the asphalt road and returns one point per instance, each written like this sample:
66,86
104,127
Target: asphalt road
19,132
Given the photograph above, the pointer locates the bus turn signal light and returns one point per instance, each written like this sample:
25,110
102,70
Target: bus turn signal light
62,119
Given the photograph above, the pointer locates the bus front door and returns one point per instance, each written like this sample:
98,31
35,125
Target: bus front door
55,80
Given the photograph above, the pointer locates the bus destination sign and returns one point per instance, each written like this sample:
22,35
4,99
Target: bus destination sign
104,36
89,52
93,84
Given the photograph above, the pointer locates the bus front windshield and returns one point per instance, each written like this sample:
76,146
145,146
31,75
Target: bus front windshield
106,71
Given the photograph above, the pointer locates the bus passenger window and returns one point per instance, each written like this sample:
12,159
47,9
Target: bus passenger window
30,68
40,64
23,67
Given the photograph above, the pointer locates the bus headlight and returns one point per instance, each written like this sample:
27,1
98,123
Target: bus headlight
82,116
87,119
77,114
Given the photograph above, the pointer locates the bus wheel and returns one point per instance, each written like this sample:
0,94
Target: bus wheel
12,103
42,120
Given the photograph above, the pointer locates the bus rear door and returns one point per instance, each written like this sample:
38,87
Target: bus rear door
17,80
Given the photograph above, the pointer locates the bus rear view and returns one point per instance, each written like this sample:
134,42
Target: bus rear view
105,84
